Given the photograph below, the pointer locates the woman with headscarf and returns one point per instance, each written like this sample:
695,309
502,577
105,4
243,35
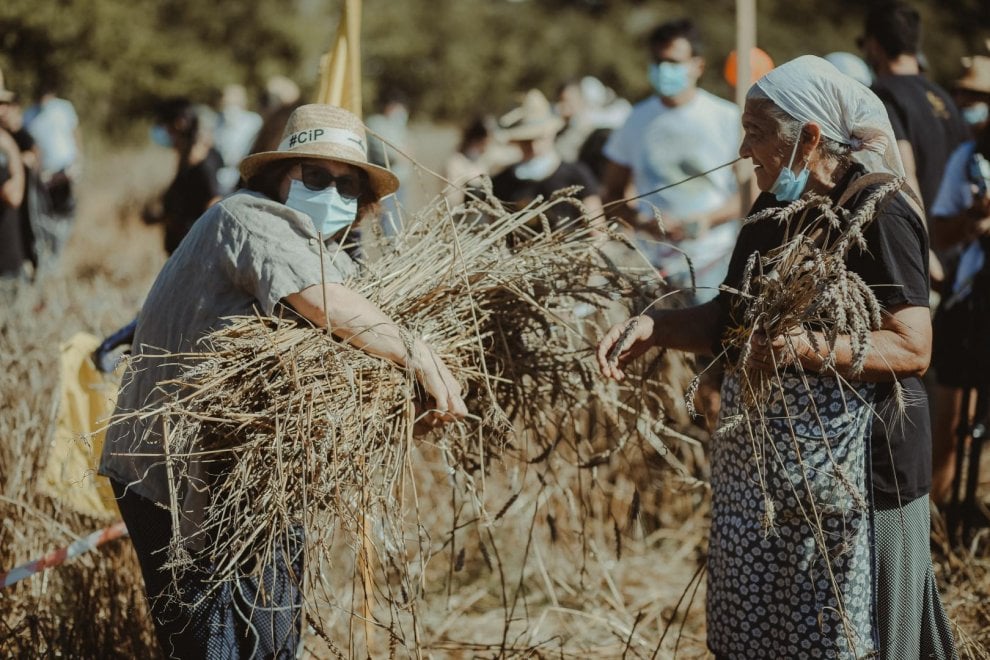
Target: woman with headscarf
855,578
270,249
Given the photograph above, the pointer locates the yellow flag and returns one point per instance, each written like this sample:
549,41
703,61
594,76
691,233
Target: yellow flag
340,68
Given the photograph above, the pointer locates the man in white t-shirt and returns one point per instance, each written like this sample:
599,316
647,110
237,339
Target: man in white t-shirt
54,125
680,132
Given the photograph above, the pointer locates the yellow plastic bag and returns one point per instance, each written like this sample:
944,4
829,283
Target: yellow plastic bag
87,400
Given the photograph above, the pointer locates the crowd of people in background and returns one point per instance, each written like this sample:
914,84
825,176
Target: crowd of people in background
665,171
40,163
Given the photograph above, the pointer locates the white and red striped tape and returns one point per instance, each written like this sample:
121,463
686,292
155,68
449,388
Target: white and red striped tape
62,555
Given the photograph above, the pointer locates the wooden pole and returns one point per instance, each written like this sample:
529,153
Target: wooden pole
745,42
340,68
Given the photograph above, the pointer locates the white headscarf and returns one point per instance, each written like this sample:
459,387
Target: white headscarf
811,89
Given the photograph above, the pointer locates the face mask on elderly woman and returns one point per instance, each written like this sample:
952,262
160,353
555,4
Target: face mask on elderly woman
789,186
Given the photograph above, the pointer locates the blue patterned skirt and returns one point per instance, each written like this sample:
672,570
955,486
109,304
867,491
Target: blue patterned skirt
790,571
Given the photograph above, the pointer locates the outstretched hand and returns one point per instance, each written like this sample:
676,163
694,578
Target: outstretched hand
443,393
623,343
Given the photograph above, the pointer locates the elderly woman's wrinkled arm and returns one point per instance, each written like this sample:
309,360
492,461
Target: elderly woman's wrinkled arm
692,329
901,348
358,321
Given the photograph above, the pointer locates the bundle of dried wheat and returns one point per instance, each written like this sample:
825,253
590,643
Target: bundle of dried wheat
806,282
312,432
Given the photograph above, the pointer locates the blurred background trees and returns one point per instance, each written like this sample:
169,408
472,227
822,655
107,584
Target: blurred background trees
449,58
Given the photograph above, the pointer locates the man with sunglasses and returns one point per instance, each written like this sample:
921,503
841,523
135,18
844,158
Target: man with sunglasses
271,247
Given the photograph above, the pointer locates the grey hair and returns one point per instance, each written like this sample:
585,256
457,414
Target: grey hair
789,128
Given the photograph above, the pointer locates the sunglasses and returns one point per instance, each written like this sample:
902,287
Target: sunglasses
315,178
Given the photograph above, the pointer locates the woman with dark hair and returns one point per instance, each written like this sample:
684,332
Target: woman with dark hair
269,249
185,128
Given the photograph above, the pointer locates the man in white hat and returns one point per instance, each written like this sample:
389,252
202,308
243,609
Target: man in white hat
259,251
532,127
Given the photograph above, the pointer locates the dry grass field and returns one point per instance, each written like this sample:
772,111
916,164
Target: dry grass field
599,562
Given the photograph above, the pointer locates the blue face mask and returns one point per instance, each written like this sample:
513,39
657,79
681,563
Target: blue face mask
788,186
539,167
669,78
976,114
159,135
326,208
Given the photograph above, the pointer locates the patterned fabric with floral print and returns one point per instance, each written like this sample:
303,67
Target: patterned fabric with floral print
790,572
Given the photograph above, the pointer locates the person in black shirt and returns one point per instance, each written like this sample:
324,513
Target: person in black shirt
926,122
184,127
12,253
819,492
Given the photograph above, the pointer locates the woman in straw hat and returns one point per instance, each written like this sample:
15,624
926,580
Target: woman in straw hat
270,249
819,541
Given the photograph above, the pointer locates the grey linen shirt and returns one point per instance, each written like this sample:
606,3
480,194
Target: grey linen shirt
241,257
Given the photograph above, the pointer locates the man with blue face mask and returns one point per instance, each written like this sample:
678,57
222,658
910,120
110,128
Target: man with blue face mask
679,132
268,250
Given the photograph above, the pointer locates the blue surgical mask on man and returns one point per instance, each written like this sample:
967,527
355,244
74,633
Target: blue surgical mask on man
789,186
538,168
976,114
669,78
326,208
159,135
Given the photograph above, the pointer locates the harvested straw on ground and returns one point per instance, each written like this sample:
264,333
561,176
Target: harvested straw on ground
314,433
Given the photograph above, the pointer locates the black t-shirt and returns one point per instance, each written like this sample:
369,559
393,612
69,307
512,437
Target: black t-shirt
187,197
11,241
895,266
923,113
23,139
517,193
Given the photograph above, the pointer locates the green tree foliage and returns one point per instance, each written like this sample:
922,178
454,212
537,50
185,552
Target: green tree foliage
450,58
115,58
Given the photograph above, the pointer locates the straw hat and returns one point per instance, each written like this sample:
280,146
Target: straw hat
532,120
977,75
329,133
6,96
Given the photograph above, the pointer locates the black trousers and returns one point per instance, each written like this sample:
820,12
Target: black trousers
246,618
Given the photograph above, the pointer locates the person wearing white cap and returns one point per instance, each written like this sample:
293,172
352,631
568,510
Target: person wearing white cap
851,65
260,251
819,540
532,127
